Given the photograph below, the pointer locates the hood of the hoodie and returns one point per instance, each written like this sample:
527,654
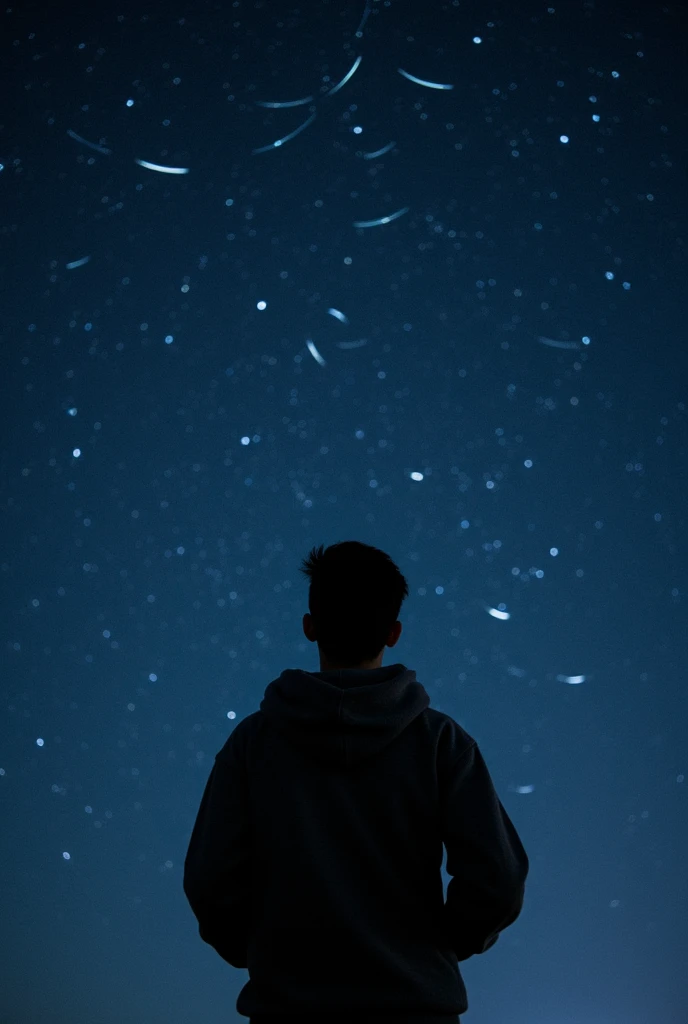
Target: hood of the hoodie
342,717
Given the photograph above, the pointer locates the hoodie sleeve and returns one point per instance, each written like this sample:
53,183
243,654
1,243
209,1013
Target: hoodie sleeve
485,858
217,869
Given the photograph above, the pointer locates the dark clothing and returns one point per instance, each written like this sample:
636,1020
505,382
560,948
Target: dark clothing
315,860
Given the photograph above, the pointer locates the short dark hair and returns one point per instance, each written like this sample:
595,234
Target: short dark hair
355,596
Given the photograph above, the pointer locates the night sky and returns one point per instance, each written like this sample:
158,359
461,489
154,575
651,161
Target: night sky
206,373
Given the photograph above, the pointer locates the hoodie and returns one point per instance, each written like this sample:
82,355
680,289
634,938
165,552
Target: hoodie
315,860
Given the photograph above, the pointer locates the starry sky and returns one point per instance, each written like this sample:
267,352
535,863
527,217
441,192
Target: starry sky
442,316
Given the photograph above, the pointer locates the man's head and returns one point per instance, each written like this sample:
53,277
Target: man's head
355,595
